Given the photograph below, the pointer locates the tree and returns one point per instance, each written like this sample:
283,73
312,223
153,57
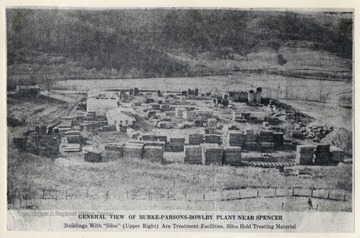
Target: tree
47,76
324,92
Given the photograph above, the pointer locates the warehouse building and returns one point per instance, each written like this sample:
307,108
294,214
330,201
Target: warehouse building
120,118
102,102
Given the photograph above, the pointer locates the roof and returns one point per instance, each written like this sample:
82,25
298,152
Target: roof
120,112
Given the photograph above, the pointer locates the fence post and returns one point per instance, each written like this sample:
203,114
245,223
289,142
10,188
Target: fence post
43,196
344,197
293,191
328,195
317,206
185,195
204,196
168,194
311,194
66,195
26,200
282,206
275,191
257,193
107,194
20,199
127,194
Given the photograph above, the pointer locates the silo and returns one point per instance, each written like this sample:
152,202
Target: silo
258,95
136,91
251,96
196,92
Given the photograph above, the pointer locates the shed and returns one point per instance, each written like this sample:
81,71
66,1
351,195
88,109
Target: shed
120,118
92,155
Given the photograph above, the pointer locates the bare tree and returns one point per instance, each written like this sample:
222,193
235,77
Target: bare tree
47,75
324,92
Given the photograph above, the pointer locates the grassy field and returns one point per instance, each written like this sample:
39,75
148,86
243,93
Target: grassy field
71,178
275,86
329,114
44,108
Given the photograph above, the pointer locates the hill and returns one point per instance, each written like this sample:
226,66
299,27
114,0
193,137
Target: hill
56,44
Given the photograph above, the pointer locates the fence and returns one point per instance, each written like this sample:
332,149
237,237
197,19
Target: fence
29,198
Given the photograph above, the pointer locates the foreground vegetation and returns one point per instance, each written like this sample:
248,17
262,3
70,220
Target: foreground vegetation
136,179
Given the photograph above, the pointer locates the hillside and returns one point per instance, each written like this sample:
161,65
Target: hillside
64,44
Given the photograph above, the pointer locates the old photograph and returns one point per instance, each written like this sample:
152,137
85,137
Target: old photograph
239,111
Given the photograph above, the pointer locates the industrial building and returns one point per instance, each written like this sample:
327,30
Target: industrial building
120,118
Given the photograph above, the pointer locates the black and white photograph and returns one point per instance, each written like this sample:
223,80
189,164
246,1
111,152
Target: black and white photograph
194,119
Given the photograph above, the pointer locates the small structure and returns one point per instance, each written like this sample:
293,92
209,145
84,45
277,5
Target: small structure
113,151
179,111
250,136
236,139
149,137
267,146
337,154
265,136
169,114
262,116
29,91
176,144
153,153
252,146
278,139
151,114
251,96
133,150
160,144
164,124
74,139
89,126
162,138
322,154
20,142
119,118
212,154
213,139
92,155
196,92
258,95
212,122
232,155
210,130
101,104
196,139
305,154
155,106
193,154
70,147
165,107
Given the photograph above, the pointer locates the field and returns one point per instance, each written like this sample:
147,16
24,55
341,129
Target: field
127,184
275,86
